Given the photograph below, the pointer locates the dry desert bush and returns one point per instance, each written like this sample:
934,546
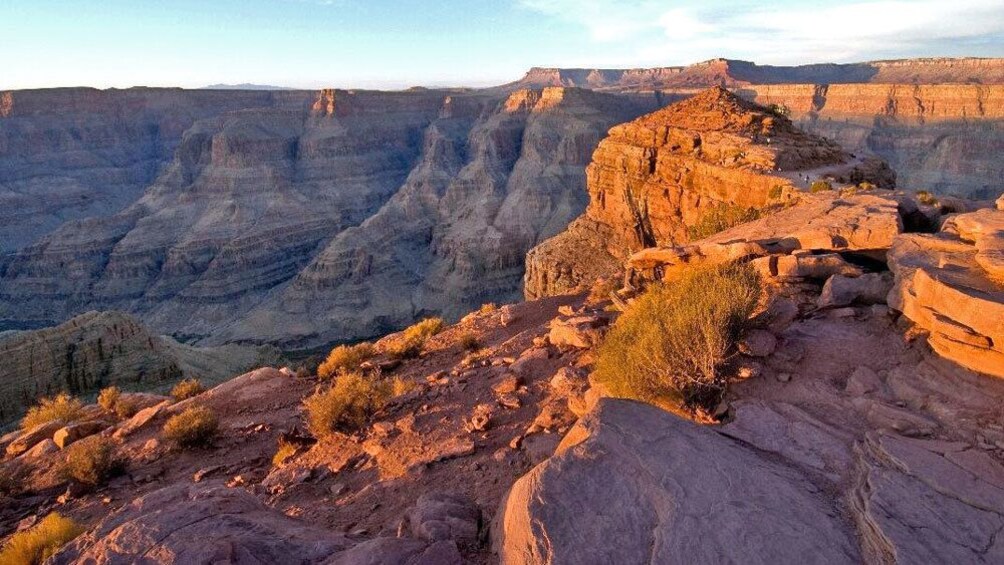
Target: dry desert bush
346,406
186,389
720,218
62,407
412,340
35,545
194,427
345,359
674,341
92,461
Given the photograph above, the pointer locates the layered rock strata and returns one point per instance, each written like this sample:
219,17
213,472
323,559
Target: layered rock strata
951,284
652,178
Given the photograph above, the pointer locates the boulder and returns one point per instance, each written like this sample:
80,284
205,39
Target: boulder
140,419
439,516
870,288
581,332
633,484
30,438
75,432
44,447
945,283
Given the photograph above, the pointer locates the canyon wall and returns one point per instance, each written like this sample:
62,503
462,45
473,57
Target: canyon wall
346,216
74,153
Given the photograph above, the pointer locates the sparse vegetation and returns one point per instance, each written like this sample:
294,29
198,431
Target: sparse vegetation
488,308
820,186
62,407
401,386
865,185
283,452
346,405
92,461
345,359
412,340
194,427
186,389
112,401
720,218
32,546
775,192
674,342
926,198
13,475
469,342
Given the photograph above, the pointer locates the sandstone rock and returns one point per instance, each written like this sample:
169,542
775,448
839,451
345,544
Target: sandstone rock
942,287
140,419
758,343
870,288
863,381
652,178
658,480
507,315
440,516
524,365
780,314
193,524
44,447
28,439
75,432
581,332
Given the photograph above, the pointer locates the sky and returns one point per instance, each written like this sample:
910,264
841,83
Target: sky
402,43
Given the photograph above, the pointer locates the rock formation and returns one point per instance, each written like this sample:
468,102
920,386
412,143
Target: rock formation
653,177
951,285
249,226
99,349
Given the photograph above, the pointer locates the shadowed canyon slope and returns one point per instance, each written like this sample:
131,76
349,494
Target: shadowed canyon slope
302,217
444,191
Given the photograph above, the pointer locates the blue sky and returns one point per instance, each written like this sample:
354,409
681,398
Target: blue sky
393,44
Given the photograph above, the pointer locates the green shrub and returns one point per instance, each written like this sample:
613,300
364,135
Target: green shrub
820,186
346,405
92,461
194,427
186,389
675,340
62,407
412,340
720,218
35,545
345,359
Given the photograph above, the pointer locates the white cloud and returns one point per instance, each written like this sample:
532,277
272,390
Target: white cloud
766,32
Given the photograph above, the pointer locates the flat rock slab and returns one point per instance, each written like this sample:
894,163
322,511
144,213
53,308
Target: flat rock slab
633,484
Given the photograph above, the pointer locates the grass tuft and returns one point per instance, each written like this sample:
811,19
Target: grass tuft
347,405
62,407
345,359
34,545
186,389
194,427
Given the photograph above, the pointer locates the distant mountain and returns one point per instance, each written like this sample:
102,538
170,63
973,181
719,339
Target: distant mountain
245,86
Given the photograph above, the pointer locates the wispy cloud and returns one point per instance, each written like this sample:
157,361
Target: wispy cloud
798,32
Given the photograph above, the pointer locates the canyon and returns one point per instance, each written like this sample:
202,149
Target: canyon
860,424
301,218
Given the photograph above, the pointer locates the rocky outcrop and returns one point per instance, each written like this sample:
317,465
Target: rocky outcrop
194,524
670,490
99,349
950,285
654,177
